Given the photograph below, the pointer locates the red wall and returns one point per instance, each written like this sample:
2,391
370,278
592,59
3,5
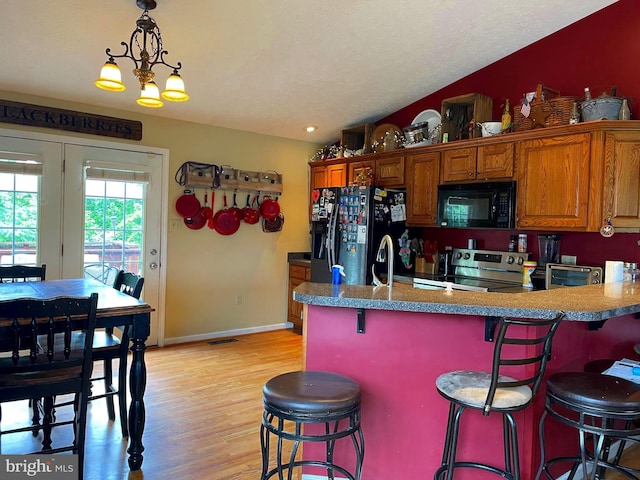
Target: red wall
397,360
600,51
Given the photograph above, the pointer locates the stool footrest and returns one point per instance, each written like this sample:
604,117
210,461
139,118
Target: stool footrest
442,471
308,463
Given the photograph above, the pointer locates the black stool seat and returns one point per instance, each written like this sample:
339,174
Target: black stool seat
312,392
602,408
593,392
301,399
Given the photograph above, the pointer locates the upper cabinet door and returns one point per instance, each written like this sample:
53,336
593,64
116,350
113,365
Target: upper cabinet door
390,171
359,173
318,177
553,182
458,165
337,175
495,161
423,172
622,180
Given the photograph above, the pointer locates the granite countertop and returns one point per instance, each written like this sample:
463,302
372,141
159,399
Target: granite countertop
587,303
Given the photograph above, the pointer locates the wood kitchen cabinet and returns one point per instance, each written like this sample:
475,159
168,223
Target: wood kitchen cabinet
356,171
334,175
297,274
323,175
390,171
485,162
422,177
621,192
553,182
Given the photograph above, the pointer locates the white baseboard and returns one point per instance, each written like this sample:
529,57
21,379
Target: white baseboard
228,333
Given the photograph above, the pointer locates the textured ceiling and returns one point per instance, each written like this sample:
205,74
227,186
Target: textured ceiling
275,66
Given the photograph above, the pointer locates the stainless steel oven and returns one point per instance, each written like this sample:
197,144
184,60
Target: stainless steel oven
563,275
479,271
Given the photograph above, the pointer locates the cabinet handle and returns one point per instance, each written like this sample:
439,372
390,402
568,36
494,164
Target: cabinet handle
472,174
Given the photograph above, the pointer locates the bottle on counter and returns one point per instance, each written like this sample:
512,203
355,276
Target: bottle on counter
506,118
626,272
527,269
522,243
587,94
625,113
635,273
513,243
575,116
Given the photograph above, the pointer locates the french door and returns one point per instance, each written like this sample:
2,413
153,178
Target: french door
76,207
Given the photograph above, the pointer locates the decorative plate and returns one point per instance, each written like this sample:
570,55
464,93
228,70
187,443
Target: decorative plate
386,137
431,116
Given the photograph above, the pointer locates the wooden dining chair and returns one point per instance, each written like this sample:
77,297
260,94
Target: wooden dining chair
48,368
108,346
22,273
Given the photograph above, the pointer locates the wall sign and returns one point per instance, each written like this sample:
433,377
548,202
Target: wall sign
47,117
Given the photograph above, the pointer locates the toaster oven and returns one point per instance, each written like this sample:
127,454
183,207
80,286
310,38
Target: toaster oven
563,275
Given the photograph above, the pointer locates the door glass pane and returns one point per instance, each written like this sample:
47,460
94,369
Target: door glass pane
19,198
114,221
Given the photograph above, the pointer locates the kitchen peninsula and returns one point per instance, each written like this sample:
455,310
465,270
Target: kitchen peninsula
410,336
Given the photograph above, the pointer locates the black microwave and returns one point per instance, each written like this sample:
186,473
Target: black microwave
477,205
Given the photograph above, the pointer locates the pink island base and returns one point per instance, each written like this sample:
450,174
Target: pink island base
396,361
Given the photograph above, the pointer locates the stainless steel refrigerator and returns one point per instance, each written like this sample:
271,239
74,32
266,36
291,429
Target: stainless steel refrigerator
348,232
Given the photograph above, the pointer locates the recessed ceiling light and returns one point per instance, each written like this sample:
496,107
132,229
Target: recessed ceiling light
311,128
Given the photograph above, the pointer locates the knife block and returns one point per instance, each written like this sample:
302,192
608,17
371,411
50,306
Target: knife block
422,266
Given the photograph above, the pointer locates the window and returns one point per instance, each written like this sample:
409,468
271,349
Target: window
113,219
19,209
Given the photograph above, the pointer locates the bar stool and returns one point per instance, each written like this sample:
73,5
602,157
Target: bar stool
497,392
601,408
294,401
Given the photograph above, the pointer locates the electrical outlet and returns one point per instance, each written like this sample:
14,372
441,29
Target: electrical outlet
568,259
238,299
175,224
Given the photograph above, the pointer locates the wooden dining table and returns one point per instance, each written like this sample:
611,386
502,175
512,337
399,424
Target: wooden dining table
114,308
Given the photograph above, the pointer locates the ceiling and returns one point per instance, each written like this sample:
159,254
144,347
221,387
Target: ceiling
274,66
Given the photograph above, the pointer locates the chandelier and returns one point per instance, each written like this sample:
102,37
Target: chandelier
145,49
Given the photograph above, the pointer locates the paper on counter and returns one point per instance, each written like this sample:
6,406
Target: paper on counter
613,271
624,369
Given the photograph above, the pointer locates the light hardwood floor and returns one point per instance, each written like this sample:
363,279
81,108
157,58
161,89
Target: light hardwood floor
203,412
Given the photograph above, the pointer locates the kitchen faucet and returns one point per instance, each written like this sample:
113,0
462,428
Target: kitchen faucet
385,253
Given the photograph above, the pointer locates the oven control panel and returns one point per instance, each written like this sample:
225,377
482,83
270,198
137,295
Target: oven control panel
488,263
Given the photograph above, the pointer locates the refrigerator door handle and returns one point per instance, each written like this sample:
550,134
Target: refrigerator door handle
331,240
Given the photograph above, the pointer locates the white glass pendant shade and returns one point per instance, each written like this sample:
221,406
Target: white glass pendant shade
150,96
110,78
174,91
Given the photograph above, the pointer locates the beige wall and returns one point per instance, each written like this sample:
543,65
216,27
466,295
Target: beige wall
206,271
